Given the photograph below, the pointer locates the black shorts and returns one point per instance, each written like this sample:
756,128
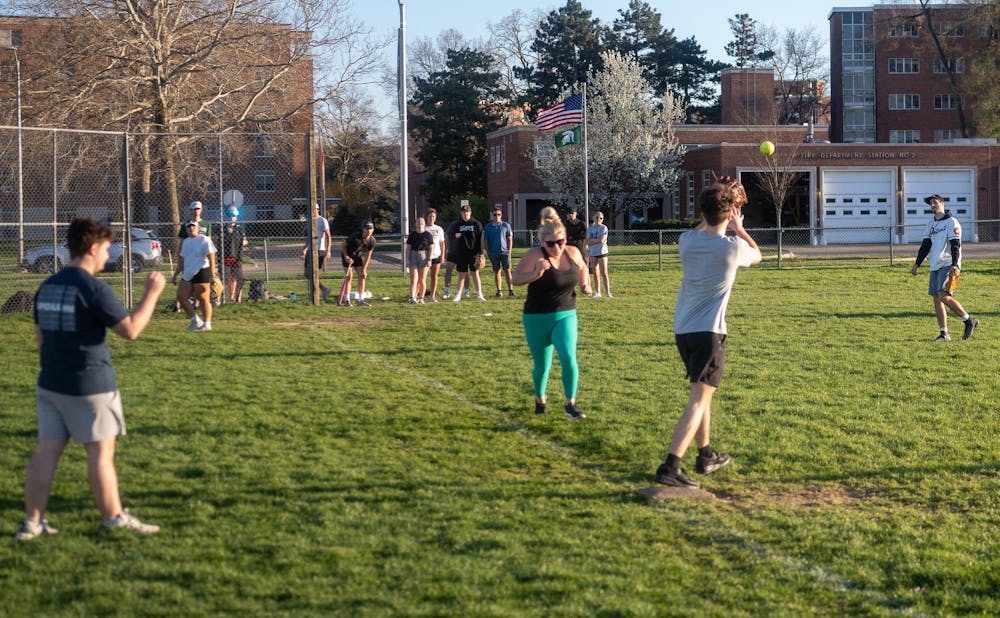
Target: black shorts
359,261
467,263
437,260
320,260
704,356
202,276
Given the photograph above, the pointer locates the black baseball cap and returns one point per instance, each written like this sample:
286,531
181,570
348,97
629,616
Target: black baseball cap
930,198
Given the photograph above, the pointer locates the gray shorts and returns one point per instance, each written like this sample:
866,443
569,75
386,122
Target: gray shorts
85,418
937,280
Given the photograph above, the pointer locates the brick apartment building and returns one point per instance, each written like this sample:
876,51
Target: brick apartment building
269,169
869,168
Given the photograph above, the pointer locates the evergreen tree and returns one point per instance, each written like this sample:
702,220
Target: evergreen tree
455,109
638,34
694,76
568,45
746,46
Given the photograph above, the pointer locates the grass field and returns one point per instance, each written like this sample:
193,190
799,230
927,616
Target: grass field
386,461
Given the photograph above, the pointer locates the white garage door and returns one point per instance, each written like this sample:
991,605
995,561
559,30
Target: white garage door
955,185
857,205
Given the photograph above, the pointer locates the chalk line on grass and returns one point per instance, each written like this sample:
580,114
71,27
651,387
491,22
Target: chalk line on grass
714,525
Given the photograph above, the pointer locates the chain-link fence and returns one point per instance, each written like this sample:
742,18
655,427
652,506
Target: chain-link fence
143,184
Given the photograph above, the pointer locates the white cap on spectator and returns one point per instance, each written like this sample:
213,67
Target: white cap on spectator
195,205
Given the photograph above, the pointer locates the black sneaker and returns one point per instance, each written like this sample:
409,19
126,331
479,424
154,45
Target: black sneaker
574,412
970,325
674,478
499,294
511,293
541,408
708,465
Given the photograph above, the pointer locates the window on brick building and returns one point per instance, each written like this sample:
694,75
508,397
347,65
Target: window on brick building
903,28
265,182
952,29
690,191
946,101
904,65
957,65
904,136
946,135
904,101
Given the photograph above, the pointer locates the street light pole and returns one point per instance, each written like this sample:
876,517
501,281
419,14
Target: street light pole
404,198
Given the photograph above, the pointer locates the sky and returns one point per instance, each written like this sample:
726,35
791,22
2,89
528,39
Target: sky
707,20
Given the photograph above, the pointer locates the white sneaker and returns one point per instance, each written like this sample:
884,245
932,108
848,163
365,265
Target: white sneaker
195,324
447,292
480,297
433,299
609,295
205,326
412,301
30,529
596,295
456,298
129,521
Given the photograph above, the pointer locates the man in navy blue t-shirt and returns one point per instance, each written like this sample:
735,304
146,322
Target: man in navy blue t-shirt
77,395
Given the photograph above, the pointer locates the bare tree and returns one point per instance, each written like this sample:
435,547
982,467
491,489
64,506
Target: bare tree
510,43
924,15
174,67
361,161
801,70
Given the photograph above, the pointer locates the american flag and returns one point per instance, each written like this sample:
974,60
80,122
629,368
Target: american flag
567,112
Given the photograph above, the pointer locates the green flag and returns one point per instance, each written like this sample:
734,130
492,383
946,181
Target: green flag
567,137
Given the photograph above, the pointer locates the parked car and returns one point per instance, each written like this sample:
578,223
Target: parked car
146,251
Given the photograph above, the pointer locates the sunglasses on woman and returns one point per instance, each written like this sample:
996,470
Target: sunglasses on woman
553,243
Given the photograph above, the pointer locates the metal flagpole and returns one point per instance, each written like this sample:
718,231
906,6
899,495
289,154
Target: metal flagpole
404,198
586,180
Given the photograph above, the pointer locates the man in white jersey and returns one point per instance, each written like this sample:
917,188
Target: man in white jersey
709,260
943,243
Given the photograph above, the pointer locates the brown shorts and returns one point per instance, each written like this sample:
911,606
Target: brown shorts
704,356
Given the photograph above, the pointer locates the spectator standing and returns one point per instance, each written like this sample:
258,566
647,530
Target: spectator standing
418,259
356,253
552,271
194,211
499,238
597,241
196,266
232,241
437,252
77,395
465,236
576,232
323,245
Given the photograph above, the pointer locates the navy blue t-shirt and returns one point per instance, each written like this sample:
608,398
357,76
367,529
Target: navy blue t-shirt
74,309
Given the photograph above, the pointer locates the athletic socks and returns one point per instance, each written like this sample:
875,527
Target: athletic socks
673,462
965,318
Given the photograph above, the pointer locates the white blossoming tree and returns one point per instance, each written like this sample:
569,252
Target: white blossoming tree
633,156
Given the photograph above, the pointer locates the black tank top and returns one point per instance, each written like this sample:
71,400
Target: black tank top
554,291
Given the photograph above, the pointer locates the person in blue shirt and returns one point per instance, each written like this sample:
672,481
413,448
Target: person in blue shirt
77,395
499,238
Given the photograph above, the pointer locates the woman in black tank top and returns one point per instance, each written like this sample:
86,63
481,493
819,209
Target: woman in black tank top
552,271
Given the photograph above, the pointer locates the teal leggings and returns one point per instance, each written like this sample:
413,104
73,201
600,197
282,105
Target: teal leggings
545,331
